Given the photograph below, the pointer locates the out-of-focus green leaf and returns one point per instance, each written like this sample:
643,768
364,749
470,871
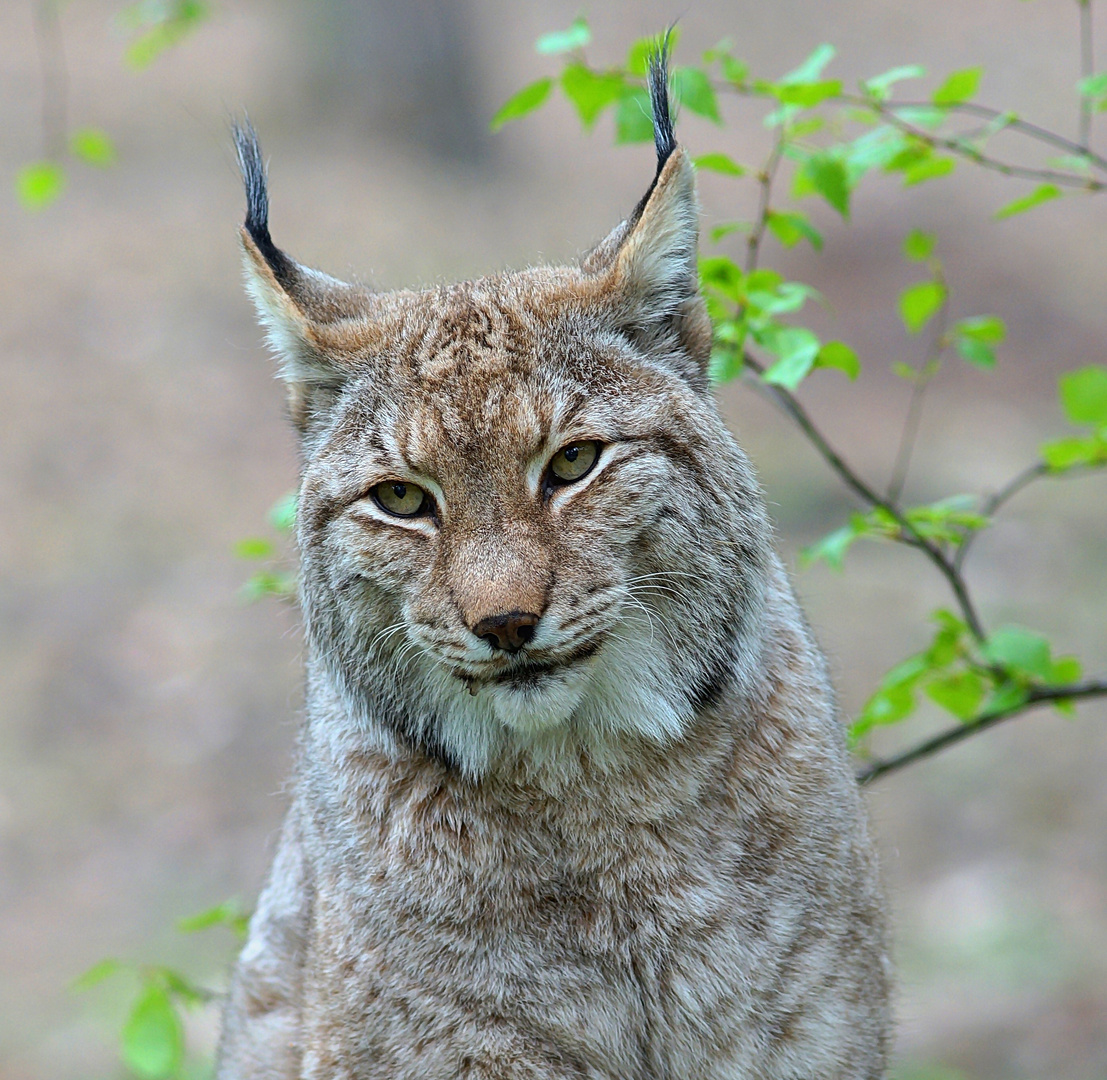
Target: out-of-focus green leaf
826,174
976,337
805,95
1084,395
791,227
693,90
719,163
919,303
591,91
229,914
562,41
810,70
960,86
797,347
39,184
1043,193
879,86
918,246
270,583
633,116
164,24
930,169
724,275
254,547
837,354
92,145
959,692
1020,651
1064,454
831,549
525,101
282,514
96,974
153,1039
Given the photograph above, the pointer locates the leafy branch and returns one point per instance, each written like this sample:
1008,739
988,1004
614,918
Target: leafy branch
979,675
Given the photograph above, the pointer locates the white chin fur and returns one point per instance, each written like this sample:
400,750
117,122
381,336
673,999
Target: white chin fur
627,689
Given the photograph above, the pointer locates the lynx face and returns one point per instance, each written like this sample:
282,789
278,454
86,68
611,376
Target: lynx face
523,525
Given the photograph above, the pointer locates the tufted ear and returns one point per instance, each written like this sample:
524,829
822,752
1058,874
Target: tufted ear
646,269
316,325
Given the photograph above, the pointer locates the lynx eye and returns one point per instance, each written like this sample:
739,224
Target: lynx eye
574,461
400,499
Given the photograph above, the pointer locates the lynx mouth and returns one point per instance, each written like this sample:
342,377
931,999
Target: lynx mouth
529,674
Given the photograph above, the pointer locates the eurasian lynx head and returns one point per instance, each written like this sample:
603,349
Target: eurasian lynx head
523,526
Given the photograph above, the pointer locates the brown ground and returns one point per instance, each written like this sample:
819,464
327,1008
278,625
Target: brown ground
147,714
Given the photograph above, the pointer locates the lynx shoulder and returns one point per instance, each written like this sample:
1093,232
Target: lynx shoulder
571,797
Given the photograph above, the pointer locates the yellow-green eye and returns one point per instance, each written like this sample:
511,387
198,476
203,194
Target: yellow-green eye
403,500
573,461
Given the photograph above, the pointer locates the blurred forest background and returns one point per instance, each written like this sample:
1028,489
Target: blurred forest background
147,714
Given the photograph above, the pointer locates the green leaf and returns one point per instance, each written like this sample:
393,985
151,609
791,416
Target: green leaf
254,547
92,145
805,95
169,23
792,227
797,348
1084,395
1043,193
96,975
726,228
918,246
633,117
727,361
723,274
1064,454
919,304
978,353
526,100
831,549
153,1039
879,86
1094,87
228,914
836,354
269,583
591,91
987,328
1019,651
930,169
827,175
960,693
39,184
282,514
561,41
810,70
719,163
960,86
693,90
1066,669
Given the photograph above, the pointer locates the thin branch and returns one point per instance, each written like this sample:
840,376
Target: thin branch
765,179
55,78
1035,699
918,394
985,112
996,500
909,534
1087,68
889,111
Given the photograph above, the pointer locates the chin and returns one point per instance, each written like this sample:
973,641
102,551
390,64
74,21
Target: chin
536,702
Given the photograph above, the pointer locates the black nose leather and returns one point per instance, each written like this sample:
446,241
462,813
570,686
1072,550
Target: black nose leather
508,632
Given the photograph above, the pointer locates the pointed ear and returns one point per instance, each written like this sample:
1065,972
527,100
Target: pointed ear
316,325
646,270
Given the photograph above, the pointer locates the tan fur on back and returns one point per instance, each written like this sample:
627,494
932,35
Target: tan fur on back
634,848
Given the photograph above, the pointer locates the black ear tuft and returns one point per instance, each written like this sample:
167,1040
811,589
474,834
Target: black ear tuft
663,137
257,201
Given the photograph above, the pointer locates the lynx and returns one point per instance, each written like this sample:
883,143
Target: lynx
571,797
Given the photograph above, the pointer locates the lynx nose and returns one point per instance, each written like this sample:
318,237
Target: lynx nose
509,632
